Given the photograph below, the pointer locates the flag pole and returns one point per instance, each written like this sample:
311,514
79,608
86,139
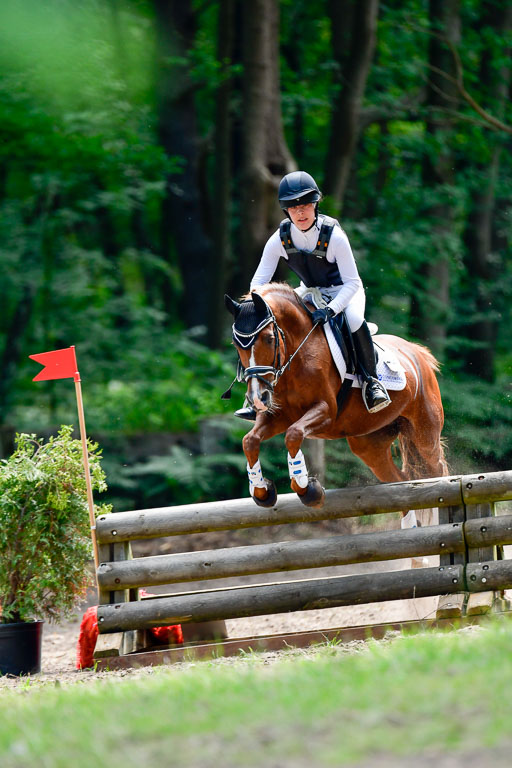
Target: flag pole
90,503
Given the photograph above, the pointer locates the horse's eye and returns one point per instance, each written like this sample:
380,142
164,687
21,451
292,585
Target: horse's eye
269,339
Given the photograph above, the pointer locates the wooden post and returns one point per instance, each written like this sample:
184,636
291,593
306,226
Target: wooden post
480,602
451,606
83,437
342,503
280,556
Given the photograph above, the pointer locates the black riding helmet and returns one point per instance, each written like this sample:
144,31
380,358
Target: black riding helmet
298,188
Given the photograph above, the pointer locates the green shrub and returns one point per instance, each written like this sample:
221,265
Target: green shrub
45,547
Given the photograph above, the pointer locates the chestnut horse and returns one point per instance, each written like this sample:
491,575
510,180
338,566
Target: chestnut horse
292,383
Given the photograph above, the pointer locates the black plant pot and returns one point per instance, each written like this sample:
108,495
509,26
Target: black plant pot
20,648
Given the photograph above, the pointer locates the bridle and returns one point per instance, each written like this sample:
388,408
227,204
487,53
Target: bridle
276,370
246,340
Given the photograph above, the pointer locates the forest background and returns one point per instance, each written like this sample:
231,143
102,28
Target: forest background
142,142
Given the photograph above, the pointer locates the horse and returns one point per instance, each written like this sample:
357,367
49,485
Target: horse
293,385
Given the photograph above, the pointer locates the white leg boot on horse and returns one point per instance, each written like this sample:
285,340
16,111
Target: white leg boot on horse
263,491
308,489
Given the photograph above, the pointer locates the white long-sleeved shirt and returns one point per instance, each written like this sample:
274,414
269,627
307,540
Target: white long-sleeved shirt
338,251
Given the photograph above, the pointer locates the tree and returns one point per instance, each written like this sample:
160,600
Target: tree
352,74
431,293
185,236
265,157
483,263
223,171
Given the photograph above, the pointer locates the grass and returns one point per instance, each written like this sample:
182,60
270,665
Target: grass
447,692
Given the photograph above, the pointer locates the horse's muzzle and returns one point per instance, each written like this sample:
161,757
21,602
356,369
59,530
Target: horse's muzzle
261,399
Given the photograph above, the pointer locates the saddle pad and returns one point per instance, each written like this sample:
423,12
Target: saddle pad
389,370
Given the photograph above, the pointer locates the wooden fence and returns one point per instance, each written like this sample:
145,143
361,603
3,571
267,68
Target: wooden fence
469,540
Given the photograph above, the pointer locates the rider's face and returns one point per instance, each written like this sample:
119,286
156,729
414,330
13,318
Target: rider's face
303,216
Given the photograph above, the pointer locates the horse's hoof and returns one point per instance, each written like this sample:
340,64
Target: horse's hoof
315,494
271,497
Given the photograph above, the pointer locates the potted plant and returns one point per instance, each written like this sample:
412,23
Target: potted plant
45,544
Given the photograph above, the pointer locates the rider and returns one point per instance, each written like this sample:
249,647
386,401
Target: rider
318,251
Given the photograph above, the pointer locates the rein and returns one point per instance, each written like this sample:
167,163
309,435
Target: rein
278,373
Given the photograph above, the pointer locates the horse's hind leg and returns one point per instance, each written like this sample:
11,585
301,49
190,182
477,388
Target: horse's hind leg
375,450
421,445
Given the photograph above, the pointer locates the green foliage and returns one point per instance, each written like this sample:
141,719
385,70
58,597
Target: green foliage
478,426
45,547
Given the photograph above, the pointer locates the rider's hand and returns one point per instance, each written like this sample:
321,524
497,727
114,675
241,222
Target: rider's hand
322,315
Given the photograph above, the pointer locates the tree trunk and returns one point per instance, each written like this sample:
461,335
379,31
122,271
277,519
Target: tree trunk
183,209
265,156
430,299
352,76
14,339
481,262
223,154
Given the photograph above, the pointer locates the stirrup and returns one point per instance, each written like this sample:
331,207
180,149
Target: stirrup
380,401
249,414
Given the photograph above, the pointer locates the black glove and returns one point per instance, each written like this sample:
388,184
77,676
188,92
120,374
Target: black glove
322,315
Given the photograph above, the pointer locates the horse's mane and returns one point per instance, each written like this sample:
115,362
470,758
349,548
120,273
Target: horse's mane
282,290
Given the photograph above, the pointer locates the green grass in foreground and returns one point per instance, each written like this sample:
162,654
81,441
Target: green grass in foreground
449,692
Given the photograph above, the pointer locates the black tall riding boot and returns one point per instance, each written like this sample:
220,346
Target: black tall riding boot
248,413
375,395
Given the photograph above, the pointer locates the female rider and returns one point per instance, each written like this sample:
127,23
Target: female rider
318,251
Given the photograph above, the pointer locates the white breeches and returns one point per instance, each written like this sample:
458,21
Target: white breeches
354,310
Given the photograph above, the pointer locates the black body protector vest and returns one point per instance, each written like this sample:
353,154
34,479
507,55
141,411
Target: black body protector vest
312,266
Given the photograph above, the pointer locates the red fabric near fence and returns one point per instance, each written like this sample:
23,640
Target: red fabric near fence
89,632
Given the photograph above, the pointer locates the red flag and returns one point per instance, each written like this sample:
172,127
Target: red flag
60,364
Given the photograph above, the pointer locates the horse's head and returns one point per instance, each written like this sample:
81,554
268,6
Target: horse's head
260,344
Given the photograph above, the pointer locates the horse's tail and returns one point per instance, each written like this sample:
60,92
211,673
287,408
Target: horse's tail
414,464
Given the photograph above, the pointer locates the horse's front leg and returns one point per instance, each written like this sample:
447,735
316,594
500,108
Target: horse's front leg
307,488
262,490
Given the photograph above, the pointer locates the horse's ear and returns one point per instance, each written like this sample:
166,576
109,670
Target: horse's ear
231,305
259,303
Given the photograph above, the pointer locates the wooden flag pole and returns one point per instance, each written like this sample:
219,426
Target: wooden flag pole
83,437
